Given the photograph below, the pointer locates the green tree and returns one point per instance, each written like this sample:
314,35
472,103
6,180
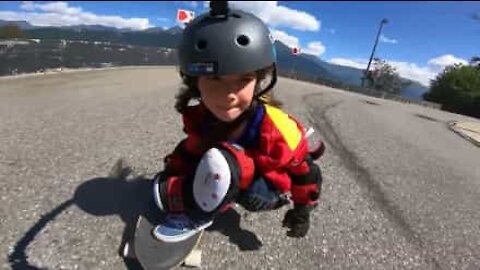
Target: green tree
384,77
457,88
11,31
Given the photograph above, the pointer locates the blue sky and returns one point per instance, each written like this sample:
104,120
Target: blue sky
420,39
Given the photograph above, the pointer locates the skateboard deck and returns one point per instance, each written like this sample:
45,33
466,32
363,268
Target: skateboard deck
155,254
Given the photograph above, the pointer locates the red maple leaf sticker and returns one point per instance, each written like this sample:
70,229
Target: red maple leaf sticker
184,16
295,50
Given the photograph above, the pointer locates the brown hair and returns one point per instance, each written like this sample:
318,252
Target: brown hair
189,91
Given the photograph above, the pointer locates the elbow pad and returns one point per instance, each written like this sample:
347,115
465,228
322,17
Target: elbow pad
306,187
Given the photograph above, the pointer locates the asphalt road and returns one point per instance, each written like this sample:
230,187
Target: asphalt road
401,190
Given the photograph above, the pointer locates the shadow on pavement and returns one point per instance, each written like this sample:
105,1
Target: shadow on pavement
115,195
228,224
18,259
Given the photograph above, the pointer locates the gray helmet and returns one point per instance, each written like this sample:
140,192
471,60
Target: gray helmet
226,41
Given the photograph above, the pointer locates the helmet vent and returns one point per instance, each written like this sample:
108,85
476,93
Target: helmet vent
201,45
243,40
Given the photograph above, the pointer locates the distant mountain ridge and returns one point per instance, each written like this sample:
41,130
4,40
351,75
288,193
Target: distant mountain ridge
307,66
24,25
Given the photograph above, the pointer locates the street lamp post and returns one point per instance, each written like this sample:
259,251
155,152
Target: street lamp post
384,21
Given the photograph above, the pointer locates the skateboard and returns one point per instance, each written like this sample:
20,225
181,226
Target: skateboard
154,254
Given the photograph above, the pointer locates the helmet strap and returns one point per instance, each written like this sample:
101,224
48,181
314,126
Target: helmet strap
271,85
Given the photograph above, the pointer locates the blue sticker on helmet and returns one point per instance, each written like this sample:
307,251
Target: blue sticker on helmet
202,68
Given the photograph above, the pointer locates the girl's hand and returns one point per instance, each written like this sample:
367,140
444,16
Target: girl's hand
298,220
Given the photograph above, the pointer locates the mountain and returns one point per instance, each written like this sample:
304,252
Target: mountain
24,25
289,64
348,75
91,27
154,30
301,66
156,37
166,38
73,33
176,30
414,91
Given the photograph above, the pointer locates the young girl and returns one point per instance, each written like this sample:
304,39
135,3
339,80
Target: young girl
240,147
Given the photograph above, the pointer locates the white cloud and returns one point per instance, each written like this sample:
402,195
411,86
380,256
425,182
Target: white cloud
446,60
387,40
27,5
61,14
412,71
53,7
405,69
315,48
356,63
275,15
10,16
285,38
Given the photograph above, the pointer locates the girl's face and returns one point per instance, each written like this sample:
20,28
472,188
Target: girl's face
227,97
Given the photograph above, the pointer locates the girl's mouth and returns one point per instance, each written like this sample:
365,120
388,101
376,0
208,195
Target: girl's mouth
226,108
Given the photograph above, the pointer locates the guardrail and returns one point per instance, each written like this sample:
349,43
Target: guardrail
390,96
363,91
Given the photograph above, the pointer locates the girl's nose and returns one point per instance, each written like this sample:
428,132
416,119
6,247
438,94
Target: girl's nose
231,97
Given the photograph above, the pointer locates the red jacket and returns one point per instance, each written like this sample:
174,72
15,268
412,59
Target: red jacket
275,140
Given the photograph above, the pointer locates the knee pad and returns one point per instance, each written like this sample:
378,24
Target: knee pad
222,172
